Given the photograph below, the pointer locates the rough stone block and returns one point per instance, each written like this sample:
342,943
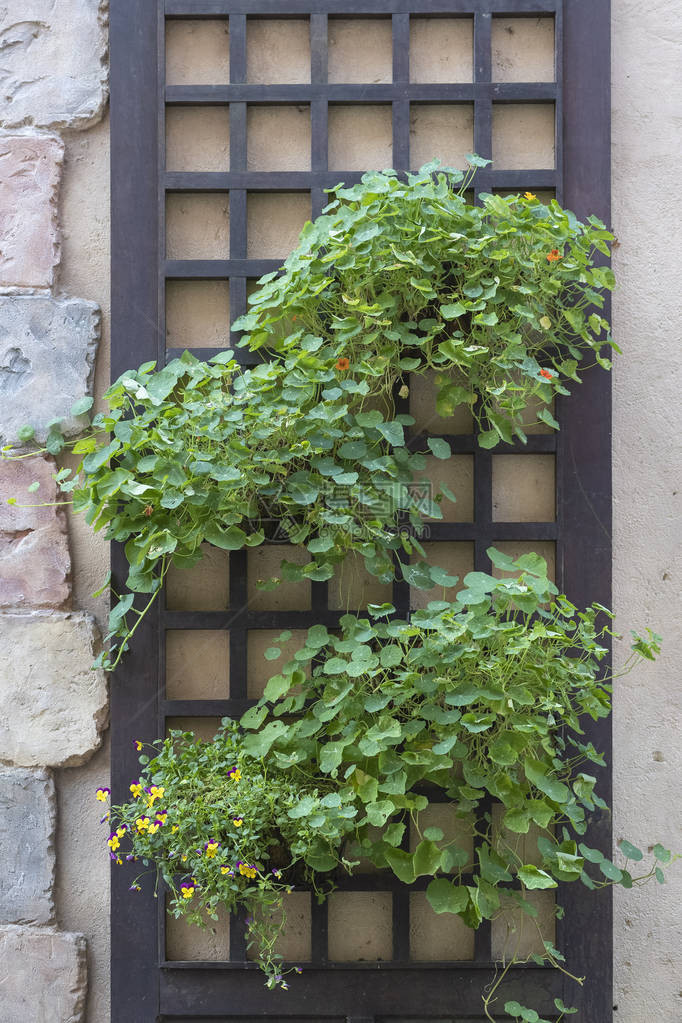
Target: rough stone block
30,172
43,974
53,70
35,565
47,362
54,706
28,816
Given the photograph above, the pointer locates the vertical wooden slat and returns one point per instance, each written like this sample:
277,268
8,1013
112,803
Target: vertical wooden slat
584,460
401,925
319,938
483,107
401,106
238,159
319,156
559,102
135,339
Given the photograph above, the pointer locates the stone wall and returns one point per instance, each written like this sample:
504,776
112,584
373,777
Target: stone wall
53,77
54,943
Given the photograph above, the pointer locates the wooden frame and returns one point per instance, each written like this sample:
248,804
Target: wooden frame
144,986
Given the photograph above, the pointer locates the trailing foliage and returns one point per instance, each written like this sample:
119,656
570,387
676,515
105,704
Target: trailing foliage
361,732
395,278
208,452
475,703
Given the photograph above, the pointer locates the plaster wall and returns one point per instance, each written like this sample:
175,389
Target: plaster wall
647,568
647,486
82,880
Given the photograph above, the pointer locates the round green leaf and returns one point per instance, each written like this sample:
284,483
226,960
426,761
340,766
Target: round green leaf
631,852
445,897
82,405
439,447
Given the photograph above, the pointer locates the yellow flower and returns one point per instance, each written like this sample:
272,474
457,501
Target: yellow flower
211,849
113,843
154,793
121,831
136,790
238,821
184,858
142,823
102,795
153,828
226,869
138,745
235,774
187,891
529,195
174,829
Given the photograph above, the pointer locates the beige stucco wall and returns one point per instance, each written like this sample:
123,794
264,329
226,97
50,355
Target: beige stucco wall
647,463
646,478
82,891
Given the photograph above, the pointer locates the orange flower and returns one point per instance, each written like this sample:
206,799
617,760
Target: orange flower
546,374
529,196
553,256
343,363
149,509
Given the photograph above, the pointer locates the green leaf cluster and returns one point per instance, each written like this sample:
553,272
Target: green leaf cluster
229,828
502,299
364,729
395,278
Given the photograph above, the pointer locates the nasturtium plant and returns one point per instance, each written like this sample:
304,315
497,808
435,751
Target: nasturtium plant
476,703
501,300
209,452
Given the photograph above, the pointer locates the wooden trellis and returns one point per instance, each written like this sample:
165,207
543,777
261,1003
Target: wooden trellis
146,986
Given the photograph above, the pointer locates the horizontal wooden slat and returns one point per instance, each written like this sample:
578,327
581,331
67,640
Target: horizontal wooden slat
213,269
432,990
346,8
303,181
459,92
